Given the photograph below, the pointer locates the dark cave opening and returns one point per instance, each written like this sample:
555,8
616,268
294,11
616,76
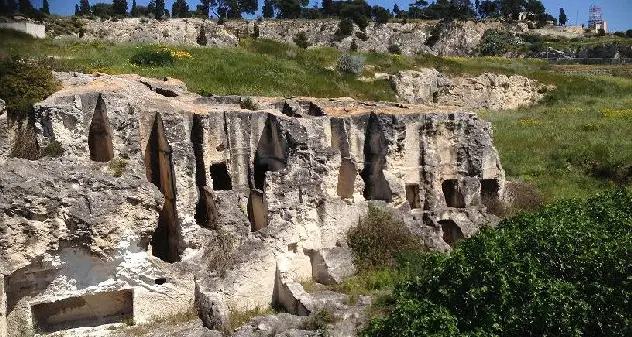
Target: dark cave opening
100,134
221,177
451,232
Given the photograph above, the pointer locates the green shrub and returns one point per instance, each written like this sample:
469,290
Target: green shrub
53,149
248,103
362,36
351,64
345,28
319,320
201,38
301,40
353,46
153,57
25,145
628,33
497,42
24,83
117,166
563,271
379,238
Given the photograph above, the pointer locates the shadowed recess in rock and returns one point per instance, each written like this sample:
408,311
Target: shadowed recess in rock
159,169
257,210
100,134
205,209
26,282
271,154
166,237
89,310
197,139
451,232
452,193
221,177
375,149
412,196
489,190
346,178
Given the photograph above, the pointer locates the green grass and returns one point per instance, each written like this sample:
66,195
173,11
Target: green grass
565,146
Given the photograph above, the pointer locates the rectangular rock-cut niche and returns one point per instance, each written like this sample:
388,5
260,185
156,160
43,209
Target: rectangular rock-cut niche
346,178
257,210
489,189
221,177
452,193
412,196
89,310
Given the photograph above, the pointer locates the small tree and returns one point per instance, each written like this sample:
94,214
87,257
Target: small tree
25,7
84,7
268,9
628,33
602,32
201,38
45,7
134,11
380,14
301,40
563,18
119,7
180,9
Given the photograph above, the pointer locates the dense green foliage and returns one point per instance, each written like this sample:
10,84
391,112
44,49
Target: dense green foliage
498,42
563,271
351,64
153,57
23,83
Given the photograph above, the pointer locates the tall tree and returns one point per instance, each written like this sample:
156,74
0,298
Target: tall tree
328,8
511,9
77,10
290,9
3,7
11,6
488,9
268,9
134,11
396,10
205,7
563,18
45,7
180,9
157,7
119,7
26,7
84,7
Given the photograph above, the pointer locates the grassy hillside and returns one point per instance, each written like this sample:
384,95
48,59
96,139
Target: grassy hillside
573,144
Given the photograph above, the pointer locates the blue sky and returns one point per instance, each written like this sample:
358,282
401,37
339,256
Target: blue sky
618,13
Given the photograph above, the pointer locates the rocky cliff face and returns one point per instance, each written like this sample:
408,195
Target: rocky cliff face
163,199
486,91
454,39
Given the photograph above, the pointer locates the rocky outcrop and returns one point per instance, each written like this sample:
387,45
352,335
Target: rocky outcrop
486,91
201,200
453,39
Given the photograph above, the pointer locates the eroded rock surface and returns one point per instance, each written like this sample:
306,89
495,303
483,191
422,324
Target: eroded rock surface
486,91
202,200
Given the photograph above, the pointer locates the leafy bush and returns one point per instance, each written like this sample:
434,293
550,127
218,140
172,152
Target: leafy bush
201,38
153,57
379,238
497,42
362,36
352,64
248,103
301,40
24,83
345,28
563,271
319,320
628,33
117,166
53,149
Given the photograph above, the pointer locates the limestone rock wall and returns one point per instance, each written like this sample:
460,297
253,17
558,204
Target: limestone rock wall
486,91
455,39
214,192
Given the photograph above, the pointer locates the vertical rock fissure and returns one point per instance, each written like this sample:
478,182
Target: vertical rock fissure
159,168
271,155
375,149
412,196
205,208
100,134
